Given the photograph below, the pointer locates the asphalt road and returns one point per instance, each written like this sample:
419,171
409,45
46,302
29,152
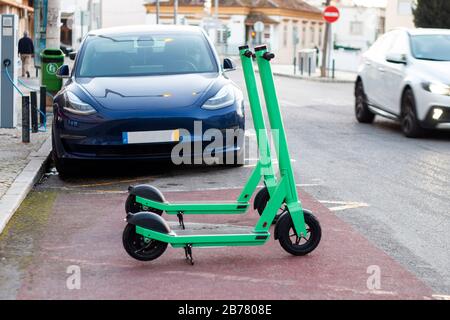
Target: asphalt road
394,191
405,183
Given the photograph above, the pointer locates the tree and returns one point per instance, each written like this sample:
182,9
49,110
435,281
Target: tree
432,14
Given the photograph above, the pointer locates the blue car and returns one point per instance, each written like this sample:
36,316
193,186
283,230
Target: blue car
139,92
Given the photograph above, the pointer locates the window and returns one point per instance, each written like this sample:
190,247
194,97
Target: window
356,28
285,31
434,47
313,33
320,35
404,7
304,34
295,35
145,54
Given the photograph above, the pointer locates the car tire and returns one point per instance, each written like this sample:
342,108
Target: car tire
362,112
65,169
410,124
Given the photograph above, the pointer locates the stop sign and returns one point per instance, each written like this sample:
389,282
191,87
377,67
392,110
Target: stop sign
331,14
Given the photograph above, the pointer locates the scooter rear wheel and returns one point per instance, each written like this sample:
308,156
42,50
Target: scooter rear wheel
291,242
131,206
140,248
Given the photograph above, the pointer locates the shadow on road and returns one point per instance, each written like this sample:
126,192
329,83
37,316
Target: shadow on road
102,170
394,127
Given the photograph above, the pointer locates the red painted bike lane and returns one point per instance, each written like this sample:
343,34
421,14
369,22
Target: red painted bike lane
85,230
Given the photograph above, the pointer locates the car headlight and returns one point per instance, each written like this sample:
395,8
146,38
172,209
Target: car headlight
437,88
76,106
224,98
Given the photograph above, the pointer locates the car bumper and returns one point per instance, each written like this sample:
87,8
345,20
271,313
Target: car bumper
427,102
103,140
443,122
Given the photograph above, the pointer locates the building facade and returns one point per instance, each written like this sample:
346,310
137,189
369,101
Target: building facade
399,14
358,27
289,25
80,16
24,9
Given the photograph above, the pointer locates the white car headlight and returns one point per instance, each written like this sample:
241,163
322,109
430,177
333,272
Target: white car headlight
437,88
224,98
76,106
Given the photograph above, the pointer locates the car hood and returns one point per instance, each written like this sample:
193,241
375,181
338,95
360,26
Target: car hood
435,70
146,93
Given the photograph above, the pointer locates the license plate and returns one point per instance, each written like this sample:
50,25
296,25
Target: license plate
135,137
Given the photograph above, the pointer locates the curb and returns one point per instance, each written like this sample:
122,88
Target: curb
24,182
315,79
326,80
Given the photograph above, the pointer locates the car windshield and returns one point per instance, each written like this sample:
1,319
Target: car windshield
144,55
434,47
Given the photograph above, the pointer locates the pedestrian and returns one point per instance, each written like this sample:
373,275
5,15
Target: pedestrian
26,52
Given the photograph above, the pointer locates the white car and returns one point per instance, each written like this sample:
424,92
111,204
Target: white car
405,76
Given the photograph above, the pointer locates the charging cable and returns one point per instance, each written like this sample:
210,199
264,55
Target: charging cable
7,63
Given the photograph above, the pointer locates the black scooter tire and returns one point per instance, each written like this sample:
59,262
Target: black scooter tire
134,244
260,203
285,228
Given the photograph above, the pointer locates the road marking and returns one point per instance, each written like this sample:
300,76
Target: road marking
102,184
288,103
344,205
252,165
302,185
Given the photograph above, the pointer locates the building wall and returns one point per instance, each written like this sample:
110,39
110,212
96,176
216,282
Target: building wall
234,20
358,27
310,34
75,10
26,18
121,13
399,14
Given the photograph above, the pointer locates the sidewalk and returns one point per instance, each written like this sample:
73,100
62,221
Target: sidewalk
288,71
20,164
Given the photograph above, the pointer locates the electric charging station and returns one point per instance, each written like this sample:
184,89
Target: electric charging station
8,60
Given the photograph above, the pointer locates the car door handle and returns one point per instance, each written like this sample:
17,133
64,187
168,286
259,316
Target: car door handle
368,63
381,69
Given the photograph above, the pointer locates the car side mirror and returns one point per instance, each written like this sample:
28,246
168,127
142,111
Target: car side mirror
228,65
396,58
72,55
63,72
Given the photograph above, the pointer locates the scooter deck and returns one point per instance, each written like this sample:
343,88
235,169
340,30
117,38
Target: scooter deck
208,229
207,235
196,208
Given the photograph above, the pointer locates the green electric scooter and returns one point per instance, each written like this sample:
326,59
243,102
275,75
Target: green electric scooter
147,234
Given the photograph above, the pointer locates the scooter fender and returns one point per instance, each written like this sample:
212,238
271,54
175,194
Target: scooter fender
149,220
284,215
147,192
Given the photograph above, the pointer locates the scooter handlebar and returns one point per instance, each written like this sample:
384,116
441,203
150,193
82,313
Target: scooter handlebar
268,56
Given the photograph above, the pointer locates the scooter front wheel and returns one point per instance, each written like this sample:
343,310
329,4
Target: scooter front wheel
139,247
299,245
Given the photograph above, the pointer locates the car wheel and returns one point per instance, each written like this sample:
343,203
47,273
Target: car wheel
65,169
410,125
362,112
